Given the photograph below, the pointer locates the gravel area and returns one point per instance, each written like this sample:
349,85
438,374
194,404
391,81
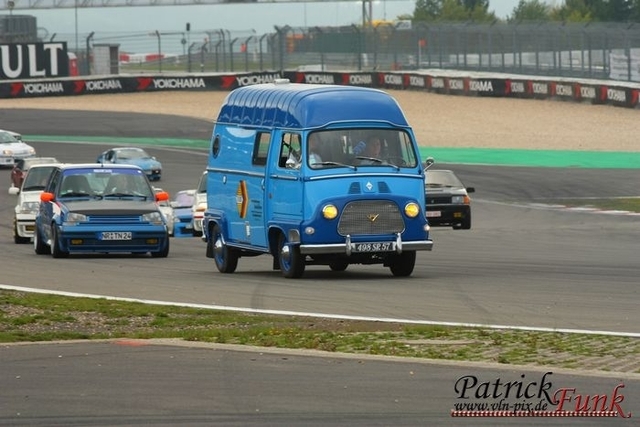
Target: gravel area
438,120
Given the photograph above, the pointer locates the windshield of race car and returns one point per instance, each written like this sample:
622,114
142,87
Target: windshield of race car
105,183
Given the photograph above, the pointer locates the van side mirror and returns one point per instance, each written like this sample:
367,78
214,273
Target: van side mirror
428,163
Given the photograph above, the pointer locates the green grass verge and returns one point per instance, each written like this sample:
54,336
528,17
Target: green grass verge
31,317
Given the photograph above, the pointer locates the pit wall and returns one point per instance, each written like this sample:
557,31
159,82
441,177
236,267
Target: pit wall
603,92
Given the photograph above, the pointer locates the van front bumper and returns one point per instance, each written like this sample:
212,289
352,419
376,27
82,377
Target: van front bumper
349,247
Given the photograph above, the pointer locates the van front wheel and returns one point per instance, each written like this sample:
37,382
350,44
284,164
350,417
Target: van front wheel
401,265
291,260
226,258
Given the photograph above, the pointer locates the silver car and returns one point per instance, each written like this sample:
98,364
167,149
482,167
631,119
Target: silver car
12,148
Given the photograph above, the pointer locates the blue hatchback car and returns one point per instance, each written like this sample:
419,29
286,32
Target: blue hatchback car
133,156
96,208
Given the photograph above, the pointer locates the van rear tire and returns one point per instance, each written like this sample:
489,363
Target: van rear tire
226,258
291,260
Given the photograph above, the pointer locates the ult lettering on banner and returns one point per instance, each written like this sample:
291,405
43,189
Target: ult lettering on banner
33,60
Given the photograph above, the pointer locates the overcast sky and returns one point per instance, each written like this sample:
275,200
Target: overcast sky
251,16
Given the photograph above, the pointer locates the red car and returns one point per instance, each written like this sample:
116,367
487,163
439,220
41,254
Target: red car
21,167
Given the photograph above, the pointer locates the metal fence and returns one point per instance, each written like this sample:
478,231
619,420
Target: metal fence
541,48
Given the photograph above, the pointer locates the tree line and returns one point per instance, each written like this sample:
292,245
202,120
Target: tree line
528,10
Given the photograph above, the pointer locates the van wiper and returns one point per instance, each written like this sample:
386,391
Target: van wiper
376,160
335,164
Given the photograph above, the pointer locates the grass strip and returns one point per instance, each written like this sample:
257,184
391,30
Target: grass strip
32,317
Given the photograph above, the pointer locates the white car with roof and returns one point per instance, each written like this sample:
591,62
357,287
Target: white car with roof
24,217
167,211
12,148
199,205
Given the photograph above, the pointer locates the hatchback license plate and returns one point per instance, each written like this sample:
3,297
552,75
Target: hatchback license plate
373,247
116,235
433,214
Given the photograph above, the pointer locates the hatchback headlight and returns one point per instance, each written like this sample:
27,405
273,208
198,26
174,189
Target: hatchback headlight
460,200
74,218
154,218
29,207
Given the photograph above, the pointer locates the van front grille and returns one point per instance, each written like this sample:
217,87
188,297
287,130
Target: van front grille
370,217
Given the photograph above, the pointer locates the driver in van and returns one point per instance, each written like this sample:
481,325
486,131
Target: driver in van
371,149
314,147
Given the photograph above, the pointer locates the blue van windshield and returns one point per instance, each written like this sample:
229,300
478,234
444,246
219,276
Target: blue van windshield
360,147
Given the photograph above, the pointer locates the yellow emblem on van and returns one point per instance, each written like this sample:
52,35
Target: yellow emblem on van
242,199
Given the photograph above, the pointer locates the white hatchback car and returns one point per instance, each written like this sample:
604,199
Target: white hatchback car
24,217
167,212
199,205
12,148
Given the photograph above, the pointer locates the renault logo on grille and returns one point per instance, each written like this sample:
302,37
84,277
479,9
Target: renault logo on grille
373,217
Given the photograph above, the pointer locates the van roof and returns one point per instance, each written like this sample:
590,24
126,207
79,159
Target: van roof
298,105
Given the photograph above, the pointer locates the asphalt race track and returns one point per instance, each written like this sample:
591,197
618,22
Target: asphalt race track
523,263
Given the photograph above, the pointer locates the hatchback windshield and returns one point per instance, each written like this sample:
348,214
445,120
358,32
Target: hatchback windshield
442,178
7,138
106,183
37,178
133,154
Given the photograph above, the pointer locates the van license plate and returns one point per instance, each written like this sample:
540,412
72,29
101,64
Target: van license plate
116,235
373,247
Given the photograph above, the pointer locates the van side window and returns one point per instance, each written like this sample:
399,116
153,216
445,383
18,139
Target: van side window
261,148
290,147
215,147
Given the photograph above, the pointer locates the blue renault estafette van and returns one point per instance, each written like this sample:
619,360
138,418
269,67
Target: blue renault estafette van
314,175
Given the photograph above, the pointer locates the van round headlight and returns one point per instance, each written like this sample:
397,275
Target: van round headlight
329,211
412,209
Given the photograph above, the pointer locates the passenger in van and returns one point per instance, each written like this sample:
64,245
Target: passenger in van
314,149
370,149
373,147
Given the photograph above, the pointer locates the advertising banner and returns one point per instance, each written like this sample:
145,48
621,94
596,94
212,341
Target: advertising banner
33,60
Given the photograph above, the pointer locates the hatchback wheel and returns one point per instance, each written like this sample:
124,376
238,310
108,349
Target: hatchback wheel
38,245
56,249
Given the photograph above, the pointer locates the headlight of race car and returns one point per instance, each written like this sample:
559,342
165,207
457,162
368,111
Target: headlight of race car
169,218
154,218
29,207
202,206
74,218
